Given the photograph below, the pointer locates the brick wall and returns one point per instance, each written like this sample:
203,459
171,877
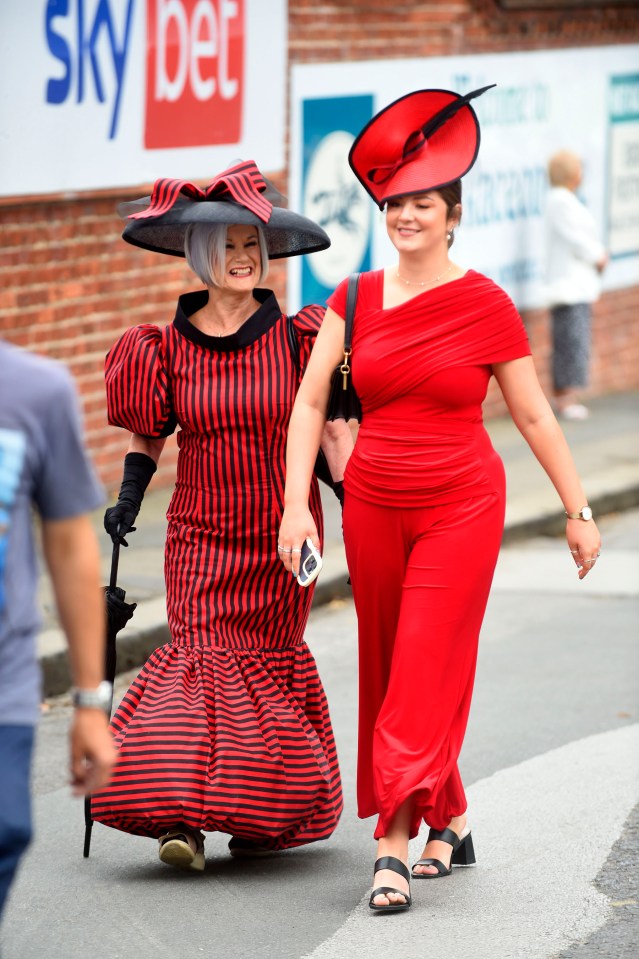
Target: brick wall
69,286
356,30
615,347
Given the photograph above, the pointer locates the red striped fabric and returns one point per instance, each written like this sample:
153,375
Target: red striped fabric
227,727
243,183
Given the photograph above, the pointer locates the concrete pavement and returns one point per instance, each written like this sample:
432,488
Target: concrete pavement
550,766
605,448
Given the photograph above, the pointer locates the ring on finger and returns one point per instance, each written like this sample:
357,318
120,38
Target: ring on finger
296,550
282,549
573,551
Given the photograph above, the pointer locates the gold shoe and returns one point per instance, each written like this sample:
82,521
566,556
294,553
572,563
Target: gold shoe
183,849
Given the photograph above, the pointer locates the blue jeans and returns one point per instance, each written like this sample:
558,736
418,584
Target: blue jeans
16,749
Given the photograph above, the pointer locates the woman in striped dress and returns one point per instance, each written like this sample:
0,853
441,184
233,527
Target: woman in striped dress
226,728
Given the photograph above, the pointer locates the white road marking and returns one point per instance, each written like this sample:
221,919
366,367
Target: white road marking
616,572
542,830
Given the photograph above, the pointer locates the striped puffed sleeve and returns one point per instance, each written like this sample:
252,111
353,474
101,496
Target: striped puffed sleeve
306,324
137,384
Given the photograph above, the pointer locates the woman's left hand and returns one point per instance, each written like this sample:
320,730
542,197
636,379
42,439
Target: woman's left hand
584,543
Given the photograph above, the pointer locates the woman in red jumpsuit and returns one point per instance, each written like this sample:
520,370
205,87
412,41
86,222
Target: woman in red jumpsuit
424,489
226,728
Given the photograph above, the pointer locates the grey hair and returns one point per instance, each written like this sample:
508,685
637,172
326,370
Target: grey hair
205,251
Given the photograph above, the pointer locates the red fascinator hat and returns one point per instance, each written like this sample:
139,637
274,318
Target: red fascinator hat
423,141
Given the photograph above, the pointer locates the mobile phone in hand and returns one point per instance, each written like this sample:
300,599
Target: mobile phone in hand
310,564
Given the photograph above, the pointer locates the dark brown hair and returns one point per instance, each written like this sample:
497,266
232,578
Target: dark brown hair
452,196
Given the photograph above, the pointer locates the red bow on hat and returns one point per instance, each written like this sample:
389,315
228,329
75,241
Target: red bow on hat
243,183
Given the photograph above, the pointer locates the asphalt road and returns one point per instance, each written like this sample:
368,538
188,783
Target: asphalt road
551,762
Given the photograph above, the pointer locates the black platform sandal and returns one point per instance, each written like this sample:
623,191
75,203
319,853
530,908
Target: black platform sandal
463,854
390,862
247,848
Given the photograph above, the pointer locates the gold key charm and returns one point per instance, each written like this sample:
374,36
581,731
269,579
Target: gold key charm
345,370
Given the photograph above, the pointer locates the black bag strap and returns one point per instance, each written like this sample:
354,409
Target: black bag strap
351,302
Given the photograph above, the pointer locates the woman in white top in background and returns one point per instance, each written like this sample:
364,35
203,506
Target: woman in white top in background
575,258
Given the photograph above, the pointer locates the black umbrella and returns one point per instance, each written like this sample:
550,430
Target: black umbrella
118,614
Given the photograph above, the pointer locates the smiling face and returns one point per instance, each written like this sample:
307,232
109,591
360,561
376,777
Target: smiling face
419,223
243,261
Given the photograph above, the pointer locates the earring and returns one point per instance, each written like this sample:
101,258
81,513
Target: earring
449,236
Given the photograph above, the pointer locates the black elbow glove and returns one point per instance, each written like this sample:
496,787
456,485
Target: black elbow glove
119,519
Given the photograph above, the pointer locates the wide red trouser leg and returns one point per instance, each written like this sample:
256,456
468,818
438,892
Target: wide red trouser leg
421,579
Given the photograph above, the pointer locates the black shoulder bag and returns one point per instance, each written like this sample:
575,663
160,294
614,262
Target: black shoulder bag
343,401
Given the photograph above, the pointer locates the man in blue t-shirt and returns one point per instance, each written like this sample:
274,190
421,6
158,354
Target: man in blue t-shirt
43,467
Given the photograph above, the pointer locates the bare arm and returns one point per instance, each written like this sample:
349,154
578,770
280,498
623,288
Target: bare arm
305,432
73,560
337,445
149,445
536,422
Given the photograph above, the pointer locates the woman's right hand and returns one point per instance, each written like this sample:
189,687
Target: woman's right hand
119,520
297,523
139,467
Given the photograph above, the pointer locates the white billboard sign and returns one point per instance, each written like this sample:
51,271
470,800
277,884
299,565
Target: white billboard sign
108,93
585,100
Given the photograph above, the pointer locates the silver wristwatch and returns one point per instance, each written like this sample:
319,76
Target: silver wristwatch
584,513
98,698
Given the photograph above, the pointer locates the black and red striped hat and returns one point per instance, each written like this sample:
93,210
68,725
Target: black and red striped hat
239,195
423,141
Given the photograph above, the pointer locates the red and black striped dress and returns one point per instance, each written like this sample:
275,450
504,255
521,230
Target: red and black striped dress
226,728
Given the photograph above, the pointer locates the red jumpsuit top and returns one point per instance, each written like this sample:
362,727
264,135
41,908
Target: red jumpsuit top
421,371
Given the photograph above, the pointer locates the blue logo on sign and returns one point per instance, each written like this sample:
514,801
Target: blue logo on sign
79,51
332,196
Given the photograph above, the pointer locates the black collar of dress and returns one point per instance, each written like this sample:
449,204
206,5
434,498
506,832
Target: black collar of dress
266,316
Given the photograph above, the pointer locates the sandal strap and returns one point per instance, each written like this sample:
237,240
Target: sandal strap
444,835
437,863
183,836
169,836
394,864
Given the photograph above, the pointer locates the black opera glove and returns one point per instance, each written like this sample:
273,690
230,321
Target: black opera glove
119,519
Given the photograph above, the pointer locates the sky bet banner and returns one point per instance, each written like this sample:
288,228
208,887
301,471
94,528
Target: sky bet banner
582,100
108,93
